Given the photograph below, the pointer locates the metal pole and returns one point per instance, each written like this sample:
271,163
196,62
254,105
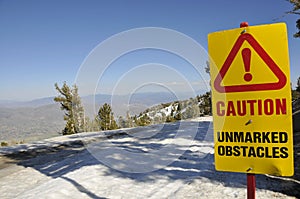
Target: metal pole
251,185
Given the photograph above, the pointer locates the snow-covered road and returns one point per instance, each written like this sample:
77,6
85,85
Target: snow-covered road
162,161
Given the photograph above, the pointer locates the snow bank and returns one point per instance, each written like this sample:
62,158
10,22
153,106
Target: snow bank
75,171
201,119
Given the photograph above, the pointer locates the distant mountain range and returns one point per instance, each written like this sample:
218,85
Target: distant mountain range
42,118
32,103
136,98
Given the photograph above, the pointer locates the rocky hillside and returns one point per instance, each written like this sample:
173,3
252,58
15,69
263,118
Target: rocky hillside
173,111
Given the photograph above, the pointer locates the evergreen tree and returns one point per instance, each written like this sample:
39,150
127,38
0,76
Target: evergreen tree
207,68
191,111
71,103
178,115
143,120
146,120
113,123
205,104
121,122
91,125
298,85
296,92
105,118
87,125
169,118
172,111
163,117
129,120
297,12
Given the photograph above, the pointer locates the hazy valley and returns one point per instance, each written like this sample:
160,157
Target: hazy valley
42,118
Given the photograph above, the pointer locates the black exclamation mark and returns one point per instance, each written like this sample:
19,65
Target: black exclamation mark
246,53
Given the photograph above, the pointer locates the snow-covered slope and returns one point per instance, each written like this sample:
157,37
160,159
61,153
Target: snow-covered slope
173,160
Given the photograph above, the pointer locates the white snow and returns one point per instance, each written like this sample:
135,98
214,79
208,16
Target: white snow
201,119
160,161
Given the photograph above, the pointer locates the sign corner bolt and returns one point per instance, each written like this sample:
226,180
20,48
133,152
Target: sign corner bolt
244,24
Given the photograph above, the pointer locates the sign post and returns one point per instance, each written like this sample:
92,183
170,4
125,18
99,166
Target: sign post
251,185
251,101
251,182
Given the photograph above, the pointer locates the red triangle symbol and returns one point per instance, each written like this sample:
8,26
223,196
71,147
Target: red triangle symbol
249,87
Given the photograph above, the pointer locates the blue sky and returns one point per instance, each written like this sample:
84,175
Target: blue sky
43,42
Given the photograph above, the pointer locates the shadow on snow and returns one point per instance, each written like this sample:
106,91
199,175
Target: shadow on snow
58,161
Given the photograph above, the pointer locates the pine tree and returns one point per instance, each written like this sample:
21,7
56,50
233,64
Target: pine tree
298,85
146,120
78,110
105,118
129,120
71,103
178,115
172,111
205,104
121,122
296,92
113,123
87,125
297,12
191,111
207,68
142,120
91,125
163,116
169,118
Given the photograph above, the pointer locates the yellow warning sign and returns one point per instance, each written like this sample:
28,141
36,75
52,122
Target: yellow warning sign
251,100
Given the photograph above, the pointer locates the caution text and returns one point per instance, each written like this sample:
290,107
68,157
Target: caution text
251,107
